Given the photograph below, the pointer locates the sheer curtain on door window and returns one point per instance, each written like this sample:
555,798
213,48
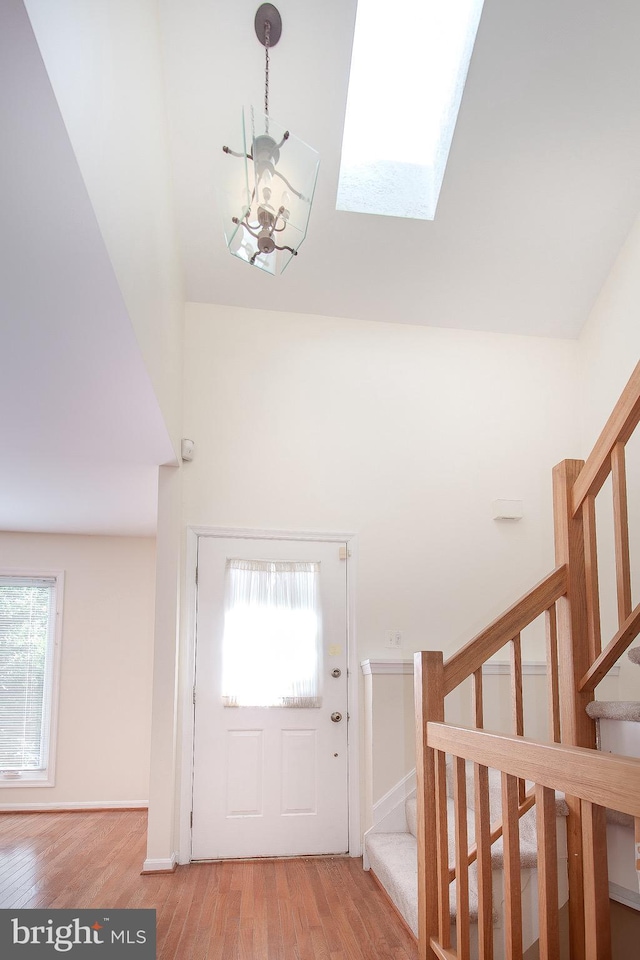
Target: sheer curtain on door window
271,650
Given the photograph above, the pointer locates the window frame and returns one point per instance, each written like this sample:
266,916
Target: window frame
47,776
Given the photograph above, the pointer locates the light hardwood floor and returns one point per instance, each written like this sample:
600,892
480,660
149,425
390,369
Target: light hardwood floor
302,909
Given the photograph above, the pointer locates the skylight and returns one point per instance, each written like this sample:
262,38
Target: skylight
408,69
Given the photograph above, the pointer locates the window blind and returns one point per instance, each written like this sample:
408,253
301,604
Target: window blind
27,636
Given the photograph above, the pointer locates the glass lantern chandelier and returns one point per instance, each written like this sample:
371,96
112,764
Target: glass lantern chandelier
271,180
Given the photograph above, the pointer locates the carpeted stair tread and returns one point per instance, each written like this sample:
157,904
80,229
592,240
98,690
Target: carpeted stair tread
617,710
634,654
528,846
619,818
527,823
614,710
393,857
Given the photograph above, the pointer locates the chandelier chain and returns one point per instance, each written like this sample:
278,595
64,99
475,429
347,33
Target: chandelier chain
267,35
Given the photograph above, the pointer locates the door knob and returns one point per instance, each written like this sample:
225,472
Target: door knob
336,717
336,673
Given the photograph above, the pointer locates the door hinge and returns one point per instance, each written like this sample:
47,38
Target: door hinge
196,576
191,819
194,695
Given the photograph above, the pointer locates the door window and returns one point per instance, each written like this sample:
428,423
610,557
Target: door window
272,642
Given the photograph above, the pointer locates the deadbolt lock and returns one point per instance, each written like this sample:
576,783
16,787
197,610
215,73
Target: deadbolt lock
336,673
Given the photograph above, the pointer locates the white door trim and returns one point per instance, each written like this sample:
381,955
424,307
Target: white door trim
187,671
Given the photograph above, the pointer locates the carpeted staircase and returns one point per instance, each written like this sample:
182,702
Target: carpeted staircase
625,710
621,735
619,732
392,857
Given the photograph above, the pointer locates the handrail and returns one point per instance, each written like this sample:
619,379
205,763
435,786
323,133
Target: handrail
618,428
604,779
472,656
569,596
612,652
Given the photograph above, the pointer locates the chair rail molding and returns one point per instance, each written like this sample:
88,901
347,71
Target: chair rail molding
384,667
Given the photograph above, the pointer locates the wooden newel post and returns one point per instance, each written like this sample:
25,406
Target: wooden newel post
577,729
429,702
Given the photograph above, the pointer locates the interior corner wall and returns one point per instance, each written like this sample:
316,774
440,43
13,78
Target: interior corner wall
104,722
164,786
105,66
403,435
393,736
609,345
609,349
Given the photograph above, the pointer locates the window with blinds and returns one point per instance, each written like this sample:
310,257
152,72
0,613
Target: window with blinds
28,608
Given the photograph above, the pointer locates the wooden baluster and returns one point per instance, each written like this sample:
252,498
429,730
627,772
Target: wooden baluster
442,852
512,888
552,673
578,729
573,662
462,858
485,878
596,883
591,576
516,686
548,929
429,701
478,706
515,650
636,826
621,526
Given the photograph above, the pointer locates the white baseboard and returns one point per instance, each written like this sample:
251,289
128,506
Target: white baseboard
389,811
166,865
74,805
393,799
630,898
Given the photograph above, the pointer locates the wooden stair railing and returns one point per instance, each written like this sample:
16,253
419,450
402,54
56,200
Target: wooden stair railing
598,780
433,680
576,663
582,661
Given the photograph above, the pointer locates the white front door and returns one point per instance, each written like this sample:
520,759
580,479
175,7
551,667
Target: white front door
268,780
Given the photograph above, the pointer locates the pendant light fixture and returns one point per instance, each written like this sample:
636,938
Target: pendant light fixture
271,180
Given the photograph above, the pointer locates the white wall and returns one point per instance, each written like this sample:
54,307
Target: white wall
388,708
609,349
164,784
609,345
401,434
107,659
103,59
393,733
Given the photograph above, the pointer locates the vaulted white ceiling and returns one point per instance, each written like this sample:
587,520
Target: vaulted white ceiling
540,191
81,432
